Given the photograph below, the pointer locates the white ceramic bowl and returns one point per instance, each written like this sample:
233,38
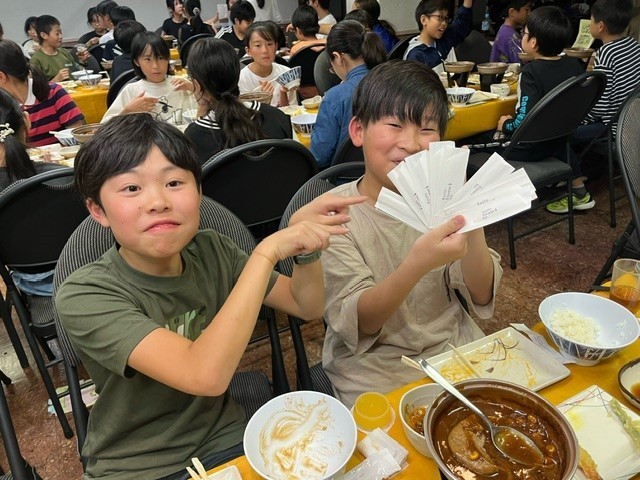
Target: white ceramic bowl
304,123
459,95
617,327
290,78
421,396
312,103
629,380
319,429
69,152
500,89
81,73
89,80
65,137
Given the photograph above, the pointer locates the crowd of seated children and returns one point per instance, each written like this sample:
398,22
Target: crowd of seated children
261,73
49,106
382,28
164,96
241,16
380,307
171,26
164,339
124,34
353,52
508,41
92,37
55,62
438,34
224,121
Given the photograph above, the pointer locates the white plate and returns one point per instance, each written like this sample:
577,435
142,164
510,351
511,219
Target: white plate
601,434
505,355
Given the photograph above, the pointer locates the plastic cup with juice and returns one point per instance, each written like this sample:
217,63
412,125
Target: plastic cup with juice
625,284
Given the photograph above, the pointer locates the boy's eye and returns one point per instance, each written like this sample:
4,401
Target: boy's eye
131,188
174,183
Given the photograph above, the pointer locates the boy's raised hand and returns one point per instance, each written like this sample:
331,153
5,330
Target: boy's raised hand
140,104
440,246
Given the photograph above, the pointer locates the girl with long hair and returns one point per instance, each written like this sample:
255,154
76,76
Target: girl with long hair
226,122
195,25
353,52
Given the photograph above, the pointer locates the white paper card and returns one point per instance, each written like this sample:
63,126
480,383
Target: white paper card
432,189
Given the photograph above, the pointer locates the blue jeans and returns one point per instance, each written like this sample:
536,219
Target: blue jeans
579,139
210,461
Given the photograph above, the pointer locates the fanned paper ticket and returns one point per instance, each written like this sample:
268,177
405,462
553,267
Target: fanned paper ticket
432,189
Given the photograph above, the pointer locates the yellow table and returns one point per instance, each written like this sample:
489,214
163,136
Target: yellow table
91,102
473,119
605,375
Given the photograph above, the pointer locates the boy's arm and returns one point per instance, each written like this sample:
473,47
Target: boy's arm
600,109
477,268
325,133
529,96
459,29
440,246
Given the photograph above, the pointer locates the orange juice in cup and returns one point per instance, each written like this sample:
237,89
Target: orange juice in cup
305,139
372,410
625,284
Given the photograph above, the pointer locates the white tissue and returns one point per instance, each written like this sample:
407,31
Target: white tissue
378,466
377,441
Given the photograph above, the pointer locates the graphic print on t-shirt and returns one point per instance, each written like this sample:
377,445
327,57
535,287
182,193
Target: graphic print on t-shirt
189,324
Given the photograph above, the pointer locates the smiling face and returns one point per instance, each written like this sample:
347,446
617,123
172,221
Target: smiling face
262,50
153,212
154,68
434,25
386,143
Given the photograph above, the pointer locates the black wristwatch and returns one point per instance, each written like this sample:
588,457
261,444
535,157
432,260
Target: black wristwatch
307,258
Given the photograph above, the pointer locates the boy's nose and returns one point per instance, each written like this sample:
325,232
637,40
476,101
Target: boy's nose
158,201
410,141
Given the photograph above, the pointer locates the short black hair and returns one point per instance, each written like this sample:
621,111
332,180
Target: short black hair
615,14
405,89
125,32
159,49
242,10
44,24
123,143
306,19
515,4
171,4
28,23
326,3
264,30
362,17
105,7
92,12
372,7
427,7
120,14
551,28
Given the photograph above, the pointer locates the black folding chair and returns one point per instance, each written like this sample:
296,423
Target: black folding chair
314,377
323,78
628,156
188,43
347,152
41,212
306,60
554,117
399,48
475,48
90,241
257,180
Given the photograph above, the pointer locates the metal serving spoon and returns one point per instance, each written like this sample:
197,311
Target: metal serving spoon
522,450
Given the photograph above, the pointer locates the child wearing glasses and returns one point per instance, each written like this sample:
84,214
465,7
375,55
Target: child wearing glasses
438,34
164,96
406,301
508,42
162,319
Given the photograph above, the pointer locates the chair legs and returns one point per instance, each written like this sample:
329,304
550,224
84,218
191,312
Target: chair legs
23,315
5,313
78,407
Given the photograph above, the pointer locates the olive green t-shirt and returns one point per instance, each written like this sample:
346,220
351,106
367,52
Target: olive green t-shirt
140,428
52,64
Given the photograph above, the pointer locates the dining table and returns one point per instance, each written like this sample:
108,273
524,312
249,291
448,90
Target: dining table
472,119
604,375
92,102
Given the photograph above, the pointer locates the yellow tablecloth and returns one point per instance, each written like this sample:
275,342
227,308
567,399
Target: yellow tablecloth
605,375
473,119
91,102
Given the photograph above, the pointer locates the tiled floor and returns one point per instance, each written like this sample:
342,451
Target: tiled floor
546,264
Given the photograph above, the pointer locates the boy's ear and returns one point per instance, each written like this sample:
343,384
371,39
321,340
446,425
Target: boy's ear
423,19
97,212
356,132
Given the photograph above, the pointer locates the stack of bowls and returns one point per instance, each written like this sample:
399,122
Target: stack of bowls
491,73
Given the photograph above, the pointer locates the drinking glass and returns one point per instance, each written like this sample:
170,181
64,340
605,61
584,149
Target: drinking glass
625,284
371,411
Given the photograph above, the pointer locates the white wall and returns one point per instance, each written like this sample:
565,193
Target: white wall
73,13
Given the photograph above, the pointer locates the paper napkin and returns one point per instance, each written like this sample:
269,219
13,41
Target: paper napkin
431,189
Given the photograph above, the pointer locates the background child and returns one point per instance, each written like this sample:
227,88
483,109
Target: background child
305,27
49,106
437,36
54,61
508,42
163,318
171,26
194,25
156,92
124,34
92,37
380,307
382,28
103,9
241,17
353,52
260,75
226,121
31,44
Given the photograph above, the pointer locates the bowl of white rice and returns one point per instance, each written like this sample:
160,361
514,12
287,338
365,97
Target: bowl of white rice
587,328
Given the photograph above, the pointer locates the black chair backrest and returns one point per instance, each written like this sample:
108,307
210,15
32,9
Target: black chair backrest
188,43
399,48
38,215
560,111
323,78
628,152
475,48
117,84
256,180
306,59
96,52
347,152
